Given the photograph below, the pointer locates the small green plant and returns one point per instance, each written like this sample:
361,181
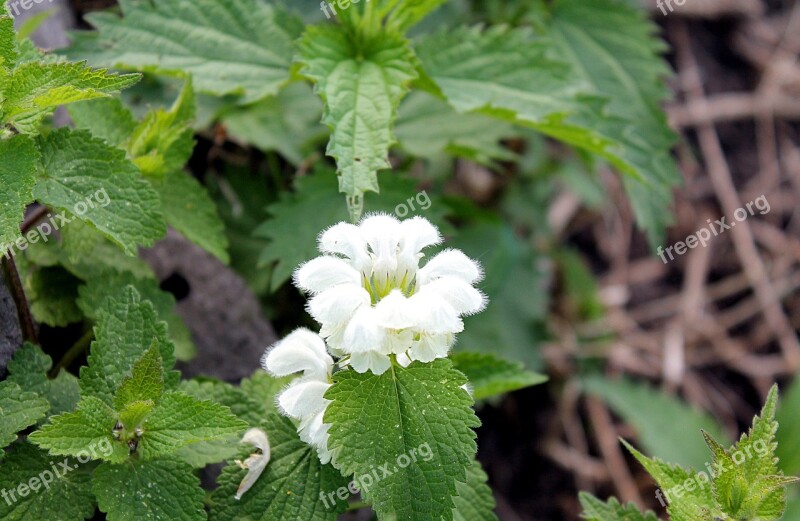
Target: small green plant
740,483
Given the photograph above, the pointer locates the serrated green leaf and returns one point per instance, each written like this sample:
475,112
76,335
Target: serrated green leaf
87,254
149,491
474,501
489,375
18,410
51,293
146,382
189,209
788,417
376,419
361,87
298,217
35,89
246,46
180,420
105,118
85,175
668,428
126,328
292,486
29,369
19,160
596,510
88,430
65,496
8,40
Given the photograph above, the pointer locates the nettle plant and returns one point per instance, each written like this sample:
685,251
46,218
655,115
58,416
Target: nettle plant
739,483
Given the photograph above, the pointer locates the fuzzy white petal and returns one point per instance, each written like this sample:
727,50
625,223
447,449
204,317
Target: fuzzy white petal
382,233
393,311
313,431
256,463
397,342
450,263
374,361
301,351
430,347
404,360
346,239
433,314
363,333
303,398
416,234
465,299
338,303
321,273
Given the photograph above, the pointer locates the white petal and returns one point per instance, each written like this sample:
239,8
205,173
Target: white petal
301,351
393,311
363,332
382,233
465,299
430,347
433,314
404,360
334,335
338,303
373,361
450,263
321,273
303,398
416,234
314,432
397,342
346,239
256,463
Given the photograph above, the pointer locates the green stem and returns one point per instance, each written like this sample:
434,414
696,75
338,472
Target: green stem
77,348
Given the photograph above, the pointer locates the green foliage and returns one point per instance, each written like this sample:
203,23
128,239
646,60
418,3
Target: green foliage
19,409
474,501
596,510
377,419
29,370
489,375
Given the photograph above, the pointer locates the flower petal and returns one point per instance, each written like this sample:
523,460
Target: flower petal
433,314
256,463
416,234
382,233
393,311
346,239
373,361
321,273
451,263
338,303
303,398
301,351
430,347
363,333
465,299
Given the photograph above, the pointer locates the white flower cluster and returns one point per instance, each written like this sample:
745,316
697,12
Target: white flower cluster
373,301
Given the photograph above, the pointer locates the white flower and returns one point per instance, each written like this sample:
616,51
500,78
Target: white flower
256,463
304,352
373,300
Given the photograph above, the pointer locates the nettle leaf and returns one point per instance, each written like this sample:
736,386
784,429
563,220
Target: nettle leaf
91,426
106,118
788,417
87,253
100,286
474,501
180,420
596,510
490,375
18,410
419,416
66,495
612,47
668,428
298,217
246,46
146,382
149,491
362,85
8,40
126,328
19,164
51,294
294,485
84,175
35,89
29,369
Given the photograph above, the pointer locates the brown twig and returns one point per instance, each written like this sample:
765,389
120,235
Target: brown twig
18,294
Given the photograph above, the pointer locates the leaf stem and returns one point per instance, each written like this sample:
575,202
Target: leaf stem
77,348
18,294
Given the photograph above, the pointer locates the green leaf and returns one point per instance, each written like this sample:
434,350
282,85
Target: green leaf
51,293
489,375
87,430
8,40
361,85
292,486
377,420
596,510
18,410
668,428
685,504
612,47
288,123
103,285
60,495
149,491
180,420
35,89
29,369
788,417
87,178
19,160
298,217
105,118
146,382
474,501
246,46
126,328
190,210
